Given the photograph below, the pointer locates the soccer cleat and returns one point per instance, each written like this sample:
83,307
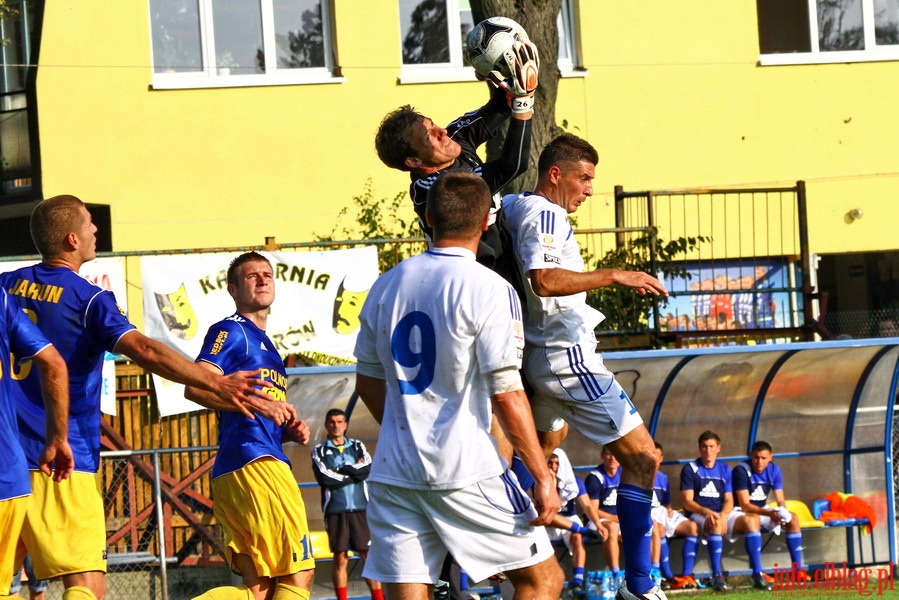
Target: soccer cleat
801,576
653,593
719,582
759,582
685,582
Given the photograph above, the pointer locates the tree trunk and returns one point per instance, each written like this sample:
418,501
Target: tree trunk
538,17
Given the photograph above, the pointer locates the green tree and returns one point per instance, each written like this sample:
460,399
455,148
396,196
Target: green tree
626,311
390,223
539,18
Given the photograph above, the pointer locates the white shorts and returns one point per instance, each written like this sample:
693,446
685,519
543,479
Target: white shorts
557,533
485,526
731,520
573,384
670,521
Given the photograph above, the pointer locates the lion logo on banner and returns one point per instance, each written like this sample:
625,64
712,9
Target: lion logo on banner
177,313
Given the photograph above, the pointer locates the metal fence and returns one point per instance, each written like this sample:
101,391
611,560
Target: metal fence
721,239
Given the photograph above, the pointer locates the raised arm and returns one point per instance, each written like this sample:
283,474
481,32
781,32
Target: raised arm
279,412
234,389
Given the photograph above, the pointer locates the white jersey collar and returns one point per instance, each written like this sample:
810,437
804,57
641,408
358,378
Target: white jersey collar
452,251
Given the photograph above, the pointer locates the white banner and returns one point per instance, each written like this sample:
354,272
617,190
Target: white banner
318,296
109,273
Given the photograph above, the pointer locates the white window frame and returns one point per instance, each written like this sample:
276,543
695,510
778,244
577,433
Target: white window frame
871,53
210,76
456,71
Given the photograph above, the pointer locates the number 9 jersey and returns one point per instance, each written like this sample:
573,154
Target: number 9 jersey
433,328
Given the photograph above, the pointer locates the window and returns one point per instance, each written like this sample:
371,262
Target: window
433,33
210,43
818,31
16,27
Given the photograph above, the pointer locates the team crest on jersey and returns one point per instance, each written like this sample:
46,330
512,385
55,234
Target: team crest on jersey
177,313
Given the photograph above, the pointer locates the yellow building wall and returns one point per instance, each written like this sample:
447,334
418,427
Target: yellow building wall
674,98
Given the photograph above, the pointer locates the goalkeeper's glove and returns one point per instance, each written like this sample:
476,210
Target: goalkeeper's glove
523,61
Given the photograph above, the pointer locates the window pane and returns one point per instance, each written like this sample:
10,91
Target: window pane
840,25
466,21
562,24
886,21
176,36
238,37
425,31
298,34
14,141
783,26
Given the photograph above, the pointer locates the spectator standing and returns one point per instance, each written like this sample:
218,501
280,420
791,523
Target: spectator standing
341,465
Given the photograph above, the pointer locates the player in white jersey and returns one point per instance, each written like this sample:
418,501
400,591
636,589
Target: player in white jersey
561,362
437,484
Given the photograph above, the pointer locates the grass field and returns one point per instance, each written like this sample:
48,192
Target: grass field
751,594
740,590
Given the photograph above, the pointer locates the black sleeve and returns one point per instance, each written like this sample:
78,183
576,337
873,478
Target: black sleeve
476,127
514,159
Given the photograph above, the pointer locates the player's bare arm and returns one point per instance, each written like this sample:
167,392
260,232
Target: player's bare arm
56,459
780,500
741,499
277,411
728,505
692,506
607,516
158,358
587,507
513,412
297,431
373,392
562,282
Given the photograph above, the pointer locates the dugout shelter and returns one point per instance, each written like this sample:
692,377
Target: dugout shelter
826,408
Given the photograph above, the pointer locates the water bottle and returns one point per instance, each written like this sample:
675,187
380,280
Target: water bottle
594,585
609,589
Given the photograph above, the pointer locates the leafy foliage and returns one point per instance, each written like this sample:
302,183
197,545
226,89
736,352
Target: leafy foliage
627,311
388,222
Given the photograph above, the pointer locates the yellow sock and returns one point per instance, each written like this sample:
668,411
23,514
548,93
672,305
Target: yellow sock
77,592
284,591
227,592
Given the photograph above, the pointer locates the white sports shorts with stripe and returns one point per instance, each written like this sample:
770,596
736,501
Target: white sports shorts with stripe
484,526
573,384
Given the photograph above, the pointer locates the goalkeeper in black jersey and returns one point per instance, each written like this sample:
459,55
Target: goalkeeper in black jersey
409,141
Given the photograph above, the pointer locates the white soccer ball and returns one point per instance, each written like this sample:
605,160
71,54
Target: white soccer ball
488,46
